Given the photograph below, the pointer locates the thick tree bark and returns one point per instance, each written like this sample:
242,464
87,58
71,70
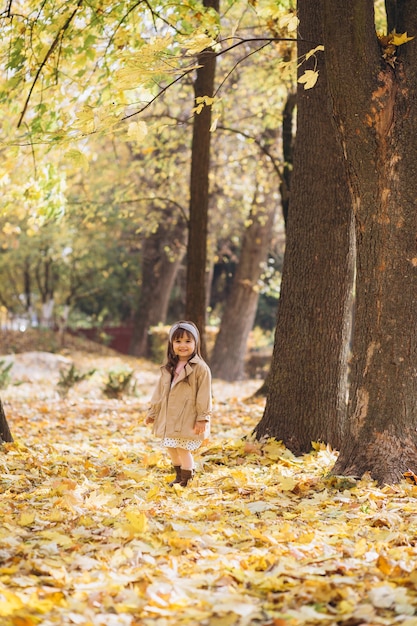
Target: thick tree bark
306,397
375,104
228,358
195,306
159,270
5,434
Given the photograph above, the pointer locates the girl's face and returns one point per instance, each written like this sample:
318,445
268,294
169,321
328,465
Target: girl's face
184,346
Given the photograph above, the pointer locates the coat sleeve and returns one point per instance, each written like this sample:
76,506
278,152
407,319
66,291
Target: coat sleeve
204,395
155,402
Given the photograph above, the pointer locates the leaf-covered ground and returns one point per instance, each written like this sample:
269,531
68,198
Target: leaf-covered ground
92,534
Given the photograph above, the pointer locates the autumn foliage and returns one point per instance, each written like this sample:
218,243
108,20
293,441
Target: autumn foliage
93,535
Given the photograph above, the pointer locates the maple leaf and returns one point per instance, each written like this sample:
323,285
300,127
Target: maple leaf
399,39
309,78
200,41
77,157
137,131
98,500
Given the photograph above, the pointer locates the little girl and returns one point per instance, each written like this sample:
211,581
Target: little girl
181,406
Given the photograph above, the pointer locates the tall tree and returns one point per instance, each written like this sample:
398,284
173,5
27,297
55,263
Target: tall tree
373,86
306,392
195,306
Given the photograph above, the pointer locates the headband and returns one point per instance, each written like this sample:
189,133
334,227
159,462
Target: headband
185,326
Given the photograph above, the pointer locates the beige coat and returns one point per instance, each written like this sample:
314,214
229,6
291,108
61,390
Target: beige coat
176,409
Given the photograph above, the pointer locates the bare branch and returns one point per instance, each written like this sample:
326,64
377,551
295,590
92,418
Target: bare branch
47,55
158,95
166,200
260,145
123,19
268,40
238,63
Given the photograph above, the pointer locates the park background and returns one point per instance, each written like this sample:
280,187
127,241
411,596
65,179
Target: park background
156,157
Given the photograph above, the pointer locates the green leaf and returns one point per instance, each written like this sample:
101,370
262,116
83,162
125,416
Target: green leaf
78,159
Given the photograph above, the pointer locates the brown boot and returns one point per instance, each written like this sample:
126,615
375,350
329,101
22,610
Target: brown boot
178,477
186,476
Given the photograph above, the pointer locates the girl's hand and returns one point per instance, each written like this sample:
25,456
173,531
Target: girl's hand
149,420
200,427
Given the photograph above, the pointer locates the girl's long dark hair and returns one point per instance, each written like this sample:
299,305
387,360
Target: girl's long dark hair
172,358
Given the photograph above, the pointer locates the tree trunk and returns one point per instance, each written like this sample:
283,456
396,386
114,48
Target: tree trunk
159,270
27,281
195,307
47,313
306,396
228,358
5,434
375,103
391,10
45,280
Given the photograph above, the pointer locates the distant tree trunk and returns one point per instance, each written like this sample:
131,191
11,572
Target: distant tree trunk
27,289
46,278
159,269
63,322
5,434
47,313
195,306
306,397
374,94
228,358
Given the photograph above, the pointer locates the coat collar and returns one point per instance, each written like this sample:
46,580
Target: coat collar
188,367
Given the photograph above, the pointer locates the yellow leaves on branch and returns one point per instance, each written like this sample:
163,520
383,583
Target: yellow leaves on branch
313,51
85,121
78,159
89,119
394,39
10,229
309,78
199,42
201,102
141,67
276,12
390,43
137,131
289,21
